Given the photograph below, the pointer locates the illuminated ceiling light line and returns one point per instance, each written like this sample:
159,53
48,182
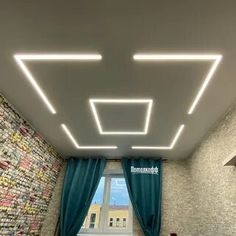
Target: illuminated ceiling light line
171,146
148,116
95,114
72,139
120,101
177,57
63,57
35,85
177,135
186,57
20,58
95,100
70,136
204,85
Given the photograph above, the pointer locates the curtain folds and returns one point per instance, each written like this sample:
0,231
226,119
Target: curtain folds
80,183
144,179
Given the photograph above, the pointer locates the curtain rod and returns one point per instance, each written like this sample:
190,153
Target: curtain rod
116,159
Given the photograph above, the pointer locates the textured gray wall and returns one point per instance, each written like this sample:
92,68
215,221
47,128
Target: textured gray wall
214,185
51,219
177,212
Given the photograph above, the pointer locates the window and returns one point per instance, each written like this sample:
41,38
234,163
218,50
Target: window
124,222
117,222
92,220
110,211
111,222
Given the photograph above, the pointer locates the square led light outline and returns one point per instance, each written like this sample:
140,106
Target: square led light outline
20,58
149,102
76,144
171,146
216,58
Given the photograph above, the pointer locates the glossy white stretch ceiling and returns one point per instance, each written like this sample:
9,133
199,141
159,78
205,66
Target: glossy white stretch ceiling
96,83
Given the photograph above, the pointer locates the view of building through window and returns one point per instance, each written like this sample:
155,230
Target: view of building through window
118,203
110,208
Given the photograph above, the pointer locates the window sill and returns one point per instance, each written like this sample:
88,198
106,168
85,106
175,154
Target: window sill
97,232
107,234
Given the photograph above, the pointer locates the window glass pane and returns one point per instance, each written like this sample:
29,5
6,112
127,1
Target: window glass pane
118,193
93,217
118,204
109,210
98,197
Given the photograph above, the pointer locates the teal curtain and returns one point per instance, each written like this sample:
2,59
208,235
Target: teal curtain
80,183
143,179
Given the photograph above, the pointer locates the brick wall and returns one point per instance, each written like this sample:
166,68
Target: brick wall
29,167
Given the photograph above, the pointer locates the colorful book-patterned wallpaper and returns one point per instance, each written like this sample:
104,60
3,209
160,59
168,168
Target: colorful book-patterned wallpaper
29,167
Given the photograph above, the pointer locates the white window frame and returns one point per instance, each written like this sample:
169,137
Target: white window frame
104,223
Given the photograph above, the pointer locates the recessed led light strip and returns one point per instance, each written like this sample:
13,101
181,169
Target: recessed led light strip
35,85
70,136
176,57
186,57
121,101
204,85
59,57
72,139
171,146
49,57
118,100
